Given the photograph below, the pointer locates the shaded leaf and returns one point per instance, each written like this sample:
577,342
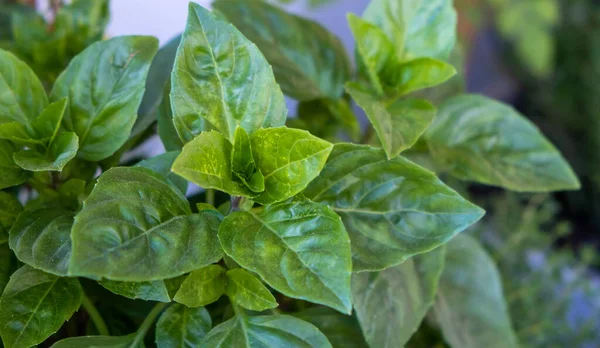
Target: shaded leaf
242,163
99,342
180,326
342,331
247,291
10,173
62,149
147,291
166,128
10,208
18,134
202,287
162,164
47,124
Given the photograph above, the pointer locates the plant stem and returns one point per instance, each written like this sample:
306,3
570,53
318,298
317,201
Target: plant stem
147,323
95,316
210,196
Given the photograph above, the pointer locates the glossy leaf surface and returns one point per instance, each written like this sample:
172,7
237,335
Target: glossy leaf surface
62,149
147,291
183,327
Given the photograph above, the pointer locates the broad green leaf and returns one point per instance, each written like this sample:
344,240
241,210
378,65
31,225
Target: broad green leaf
105,84
22,96
10,173
391,304
10,208
309,62
137,227
166,128
34,305
221,80
128,341
482,140
247,291
162,164
417,74
398,124
265,331
417,28
470,306
147,291
342,331
183,327
62,149
41,239
242,162
300,249
206,161
289,159
18,134
47,124
392,209
202,287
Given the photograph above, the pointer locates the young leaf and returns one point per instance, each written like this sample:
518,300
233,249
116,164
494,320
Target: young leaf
300,249
62,149
18,134
247,291
100,342
202,287
137,227
392,209
47,124
342,331
398,124
265,331
397,298
242,162
105,84
42,239
470,307
289,159
417,74
308,61
35,305
210,80
183,327
10,173
162,164
147,291
483,140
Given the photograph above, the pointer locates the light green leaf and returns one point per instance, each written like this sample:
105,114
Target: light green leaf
34,305
206,161
479,139
221,80
128,341
265,331
147,291
398,124
62,149
247,291
470,306
308,61
23,97
47,124
397,298
289,159
392,209
300,249
162,164
342,331
137,227
105,84
242,163
10,173
417,28
183,327
18,134
417,74
202,287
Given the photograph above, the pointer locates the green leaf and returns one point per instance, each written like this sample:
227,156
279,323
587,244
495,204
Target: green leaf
397,298
23,97
417,28
10,208
18,134
147,291
7,264
180,326
105,84
392,209
210,81
417,74
242,163
41,239
206,161
162,164
470,307
100,342
398,124
62,149
136,227
324,118
300,249
482,140
47,124
265,331
166,128
308,61
289,159
83,23
341,330
35,305
247,291
202,287
10,173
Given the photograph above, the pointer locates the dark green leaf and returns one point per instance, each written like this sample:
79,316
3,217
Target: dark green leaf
391,304
83,22
10,173
392,209
247,291
18,134
137,227
300,249
341,330
100,342
308,61
7,264
470,307
147,291
47,124
183,327
479,139
162,165
10,208
202,287
34,305
166,128
62,149
210,81
242,162
105,84
325,118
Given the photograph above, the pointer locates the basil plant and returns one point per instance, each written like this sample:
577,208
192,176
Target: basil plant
314,234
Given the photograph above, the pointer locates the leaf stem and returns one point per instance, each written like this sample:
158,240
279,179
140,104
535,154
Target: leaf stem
147,323
210,196
89,307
